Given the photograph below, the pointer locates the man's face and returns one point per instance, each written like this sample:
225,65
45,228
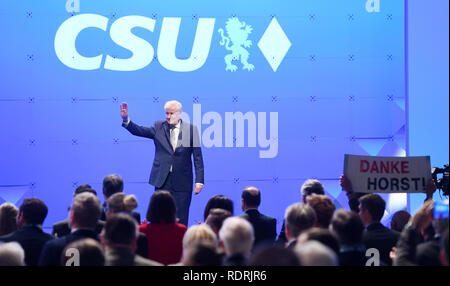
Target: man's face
172,115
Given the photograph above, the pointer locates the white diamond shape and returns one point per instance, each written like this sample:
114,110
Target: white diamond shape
274,44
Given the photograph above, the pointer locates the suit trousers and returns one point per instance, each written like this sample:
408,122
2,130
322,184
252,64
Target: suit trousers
182,199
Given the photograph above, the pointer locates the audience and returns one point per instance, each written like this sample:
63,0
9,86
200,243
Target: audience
117,204
399,220
376,235
264,227
236,238
411,250
113,184
8,215
83,252
216,218
323,207
349,229
30,236
83,217
274,256
218,202
11,254
314,253
119,238
324,236
308,188
298,218
62,228
314,232
163,233
195,235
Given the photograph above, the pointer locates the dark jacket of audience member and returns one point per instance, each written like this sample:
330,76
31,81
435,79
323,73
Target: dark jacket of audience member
30,236
376,235
83,217
264,227
89,253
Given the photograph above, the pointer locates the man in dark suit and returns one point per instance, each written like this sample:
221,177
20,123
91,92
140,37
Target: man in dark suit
176,142
83,217
30,236
62,228
265,227
376,235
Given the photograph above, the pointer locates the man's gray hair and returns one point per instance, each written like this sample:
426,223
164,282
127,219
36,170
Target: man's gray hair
237,236
11,254
299,217
314,253
175,104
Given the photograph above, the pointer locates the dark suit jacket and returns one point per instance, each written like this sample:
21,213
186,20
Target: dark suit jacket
52,251
428,252
265,227
32,239
62,228
235,260
180,159
378,236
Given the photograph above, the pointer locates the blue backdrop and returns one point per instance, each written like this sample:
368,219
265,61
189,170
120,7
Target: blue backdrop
328,78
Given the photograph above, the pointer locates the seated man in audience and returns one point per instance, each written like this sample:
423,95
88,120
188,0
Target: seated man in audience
89,252
116,204
216,218
298,218
411,250
323,208
309,187
376,235
83,217
349,229
236,238
264,227
30,236
119,237
62,228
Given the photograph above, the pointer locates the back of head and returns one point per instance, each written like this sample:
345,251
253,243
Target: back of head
299,217
112,184
251,197
314,253
34,211
310,187
348,227
130,203
115,203
374,204
322,235
199,233
399,220
86,209
161,208
220,202
120,230
274,256
323,207
11,254
8,214
216,218
88,250
237,236
202,254
84,188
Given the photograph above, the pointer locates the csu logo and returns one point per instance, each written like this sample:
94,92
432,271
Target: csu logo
273,44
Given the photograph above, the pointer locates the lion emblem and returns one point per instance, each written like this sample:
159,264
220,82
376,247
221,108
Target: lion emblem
238,35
